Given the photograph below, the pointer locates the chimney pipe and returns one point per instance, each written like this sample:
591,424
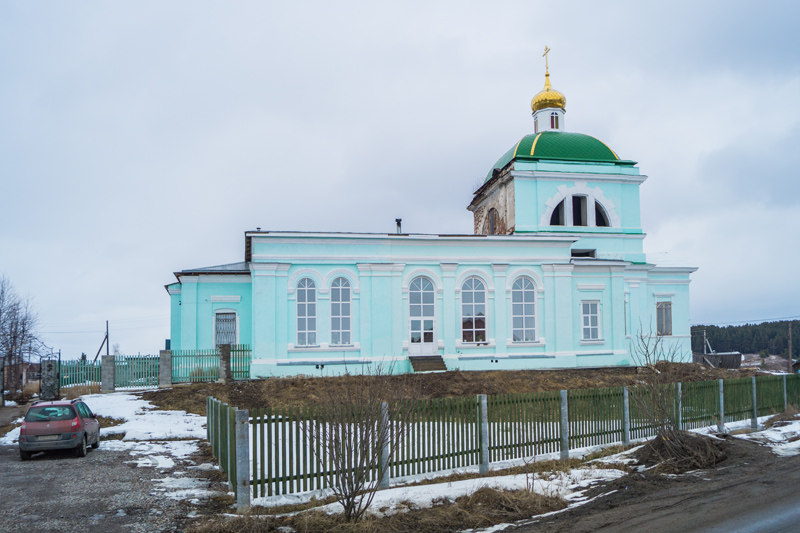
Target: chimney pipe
399,225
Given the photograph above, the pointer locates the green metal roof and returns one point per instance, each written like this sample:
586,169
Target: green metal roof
562,146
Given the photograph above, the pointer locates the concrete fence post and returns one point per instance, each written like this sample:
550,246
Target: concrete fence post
564,426
224,363
164,369
107,373
754,421
626,417
785,395
242,418
679,417
721,424
385,435
483,421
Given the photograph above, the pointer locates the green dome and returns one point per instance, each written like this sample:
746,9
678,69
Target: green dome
561,146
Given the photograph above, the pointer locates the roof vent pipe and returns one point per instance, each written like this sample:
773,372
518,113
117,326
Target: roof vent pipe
399,225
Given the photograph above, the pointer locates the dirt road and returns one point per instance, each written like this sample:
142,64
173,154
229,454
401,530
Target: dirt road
753,490
100,492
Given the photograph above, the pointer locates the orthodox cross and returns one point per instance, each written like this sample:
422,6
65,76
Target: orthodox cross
546,50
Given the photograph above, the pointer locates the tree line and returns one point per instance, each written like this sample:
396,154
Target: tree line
19,342
767,338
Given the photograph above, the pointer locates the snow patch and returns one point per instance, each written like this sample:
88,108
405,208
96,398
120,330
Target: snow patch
184,488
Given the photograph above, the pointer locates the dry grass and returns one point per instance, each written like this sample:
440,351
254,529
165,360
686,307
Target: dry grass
304,390
484,508
80,390
30,388
6,429
789,415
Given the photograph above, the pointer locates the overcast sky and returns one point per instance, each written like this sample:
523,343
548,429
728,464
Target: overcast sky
142,138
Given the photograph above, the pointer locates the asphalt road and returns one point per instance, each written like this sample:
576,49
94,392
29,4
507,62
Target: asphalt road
57,492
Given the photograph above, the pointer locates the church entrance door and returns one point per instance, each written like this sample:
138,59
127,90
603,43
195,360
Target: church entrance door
422,317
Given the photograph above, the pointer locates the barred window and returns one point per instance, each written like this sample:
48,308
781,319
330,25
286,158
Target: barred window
473,311
340,312
306,313
523,311
225,328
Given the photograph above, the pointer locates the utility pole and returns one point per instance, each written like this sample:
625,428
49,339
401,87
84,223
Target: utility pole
790,346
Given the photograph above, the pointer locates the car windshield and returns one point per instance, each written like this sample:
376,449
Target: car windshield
50,413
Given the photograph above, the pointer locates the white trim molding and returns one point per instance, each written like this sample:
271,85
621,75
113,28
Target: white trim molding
226,298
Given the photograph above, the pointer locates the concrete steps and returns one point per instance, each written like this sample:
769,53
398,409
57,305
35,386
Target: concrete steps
427,363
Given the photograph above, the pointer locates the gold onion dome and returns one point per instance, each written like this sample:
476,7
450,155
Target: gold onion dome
548,97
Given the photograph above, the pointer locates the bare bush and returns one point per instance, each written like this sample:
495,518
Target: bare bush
657,401
354,431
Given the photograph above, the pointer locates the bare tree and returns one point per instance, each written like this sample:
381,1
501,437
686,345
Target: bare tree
355,430
18,340
656,400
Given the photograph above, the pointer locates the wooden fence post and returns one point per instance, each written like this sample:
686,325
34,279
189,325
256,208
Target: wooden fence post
626,417
721,425
564,426
385,433
242,468
483,435
754,421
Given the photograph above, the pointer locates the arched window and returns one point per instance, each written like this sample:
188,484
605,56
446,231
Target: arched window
421,314
523,311
340,312
557,218
306,313
492,221
600,217
554,121
473,311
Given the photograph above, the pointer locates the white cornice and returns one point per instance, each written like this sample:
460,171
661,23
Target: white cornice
175,290
582,176
226,298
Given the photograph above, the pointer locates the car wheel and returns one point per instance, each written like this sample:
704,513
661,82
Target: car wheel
80,451
23,455
96,443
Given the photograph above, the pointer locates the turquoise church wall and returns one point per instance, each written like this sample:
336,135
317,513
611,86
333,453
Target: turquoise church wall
568,265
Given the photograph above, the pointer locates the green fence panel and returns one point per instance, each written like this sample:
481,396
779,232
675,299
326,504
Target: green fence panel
77,373
241,357
769,395
522,425
195,366
739,399
793,390
595,416
700,404
135,371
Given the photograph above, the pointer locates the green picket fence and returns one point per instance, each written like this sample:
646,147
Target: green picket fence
76,373
194,366
135,371
287,454
241,357
221,434
523,425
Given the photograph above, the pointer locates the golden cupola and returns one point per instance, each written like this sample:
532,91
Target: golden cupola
548,97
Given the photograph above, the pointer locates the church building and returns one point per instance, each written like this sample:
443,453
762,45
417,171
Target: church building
553,276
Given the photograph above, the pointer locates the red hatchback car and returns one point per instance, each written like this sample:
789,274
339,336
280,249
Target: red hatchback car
58,425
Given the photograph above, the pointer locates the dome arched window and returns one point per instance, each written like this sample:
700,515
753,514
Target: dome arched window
553,120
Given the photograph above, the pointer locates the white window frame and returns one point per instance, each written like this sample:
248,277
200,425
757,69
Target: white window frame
659,332
485,303
422,347
336,299
523,316
306,316
585,315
